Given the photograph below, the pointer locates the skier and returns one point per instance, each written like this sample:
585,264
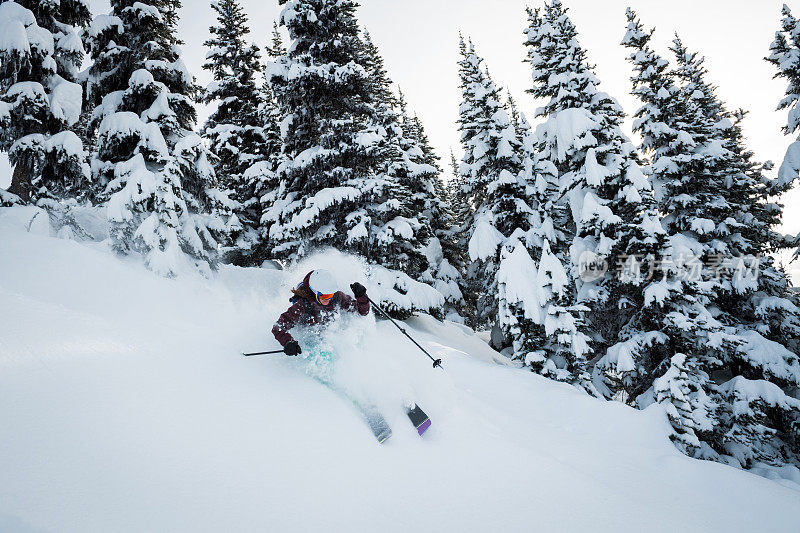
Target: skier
314,302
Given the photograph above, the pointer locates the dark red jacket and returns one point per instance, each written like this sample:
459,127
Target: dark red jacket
309,312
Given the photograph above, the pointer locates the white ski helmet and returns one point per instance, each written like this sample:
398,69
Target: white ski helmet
322,282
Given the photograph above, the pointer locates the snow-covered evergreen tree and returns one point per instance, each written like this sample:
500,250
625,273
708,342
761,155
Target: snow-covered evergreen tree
335,186
762,302
682,391
714,314
269,114
276,48
752,295
155,173
493,182
40,101
662,312
589,175
456,237
236,131
446,260
785,56
403,187
518,119
324,94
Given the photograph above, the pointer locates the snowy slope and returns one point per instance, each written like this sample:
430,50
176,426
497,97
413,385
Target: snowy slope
125,406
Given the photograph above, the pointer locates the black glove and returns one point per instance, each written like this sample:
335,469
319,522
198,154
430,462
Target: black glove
292,348
358,289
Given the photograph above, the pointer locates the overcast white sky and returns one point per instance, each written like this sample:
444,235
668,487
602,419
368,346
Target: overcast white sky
419,41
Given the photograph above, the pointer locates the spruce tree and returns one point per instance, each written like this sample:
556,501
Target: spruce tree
463,209
276,48
596,188
396,204
654,302
563,340
518,119
445,258
40,101
543,326
493,182
154,172
763,302
675,331
343,179
269,115
324,94
754,296
785,56
457,237
236,130
714,316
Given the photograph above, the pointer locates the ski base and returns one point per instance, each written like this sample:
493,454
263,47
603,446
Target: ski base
420,420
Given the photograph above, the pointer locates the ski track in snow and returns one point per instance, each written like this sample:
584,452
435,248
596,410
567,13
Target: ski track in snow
125,405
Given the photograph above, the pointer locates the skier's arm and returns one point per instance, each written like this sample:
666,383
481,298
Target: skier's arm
287,321
359,304
363,305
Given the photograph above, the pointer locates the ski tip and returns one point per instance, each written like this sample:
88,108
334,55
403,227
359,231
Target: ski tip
383,438
424,427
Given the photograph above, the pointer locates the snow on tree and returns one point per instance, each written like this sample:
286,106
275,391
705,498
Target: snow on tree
458,188
590,185
334,186
677,305
453,239
714,309
652,304
556,332
237,131
40,101
8,199
753,294
471,76
689,409
154,172
518,300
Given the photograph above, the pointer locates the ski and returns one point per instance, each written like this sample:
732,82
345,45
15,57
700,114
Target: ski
369,413
374,419
420,420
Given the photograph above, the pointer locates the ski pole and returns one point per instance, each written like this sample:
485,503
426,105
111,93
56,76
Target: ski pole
262,353
437,363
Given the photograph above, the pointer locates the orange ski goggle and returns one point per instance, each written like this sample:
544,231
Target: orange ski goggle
325,299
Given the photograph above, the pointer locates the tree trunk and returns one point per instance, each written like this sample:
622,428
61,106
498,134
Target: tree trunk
21,183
